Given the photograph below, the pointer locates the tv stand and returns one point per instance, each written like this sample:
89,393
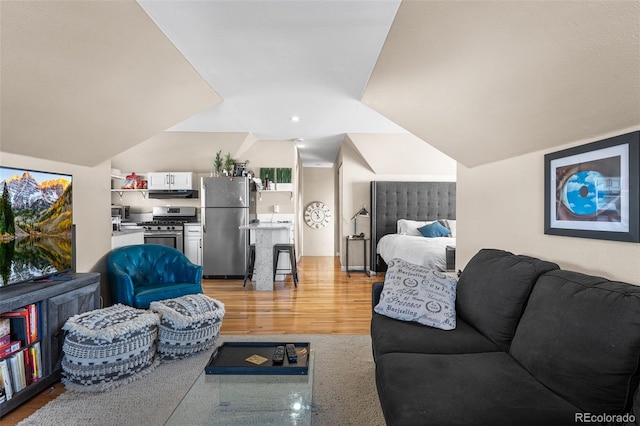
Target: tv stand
60,278
53,278
58,301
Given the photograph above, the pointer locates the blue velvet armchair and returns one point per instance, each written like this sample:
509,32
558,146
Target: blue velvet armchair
140,274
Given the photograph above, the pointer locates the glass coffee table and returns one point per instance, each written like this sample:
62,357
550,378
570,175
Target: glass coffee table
247,399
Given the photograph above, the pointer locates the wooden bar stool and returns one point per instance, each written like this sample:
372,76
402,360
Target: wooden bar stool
251,260
290,248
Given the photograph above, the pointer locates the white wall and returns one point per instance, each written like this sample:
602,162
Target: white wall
194,152
180,151
500,205
318,186
90,209
90,78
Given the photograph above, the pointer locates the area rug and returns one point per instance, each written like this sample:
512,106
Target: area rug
344,391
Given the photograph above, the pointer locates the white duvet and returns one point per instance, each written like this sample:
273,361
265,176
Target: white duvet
428,252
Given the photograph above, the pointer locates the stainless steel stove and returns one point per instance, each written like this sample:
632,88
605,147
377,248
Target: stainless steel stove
167,226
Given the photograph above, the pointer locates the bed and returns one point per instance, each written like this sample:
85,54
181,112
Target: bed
414,203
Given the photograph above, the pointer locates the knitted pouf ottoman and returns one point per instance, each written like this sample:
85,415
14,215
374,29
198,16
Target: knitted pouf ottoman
108,347
188,324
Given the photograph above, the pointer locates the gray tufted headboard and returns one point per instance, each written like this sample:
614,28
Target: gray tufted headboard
391,201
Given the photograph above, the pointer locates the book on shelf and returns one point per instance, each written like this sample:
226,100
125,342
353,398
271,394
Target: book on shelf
5,340
10,348
22,368
35,361
5,326
17,371
6,390
19,325
23,324
28,367
34,322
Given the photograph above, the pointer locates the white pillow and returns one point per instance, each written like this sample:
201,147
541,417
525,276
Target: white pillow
452,227
410,227
415,293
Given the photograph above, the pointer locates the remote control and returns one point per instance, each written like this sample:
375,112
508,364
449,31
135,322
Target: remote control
292,355
278,355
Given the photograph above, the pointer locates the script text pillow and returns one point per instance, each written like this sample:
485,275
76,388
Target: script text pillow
414,293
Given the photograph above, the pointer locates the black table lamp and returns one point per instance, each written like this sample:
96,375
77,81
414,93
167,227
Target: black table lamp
360,213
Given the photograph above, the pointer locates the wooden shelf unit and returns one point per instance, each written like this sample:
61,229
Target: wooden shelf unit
58,301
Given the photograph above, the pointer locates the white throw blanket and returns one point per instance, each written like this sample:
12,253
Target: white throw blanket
428,252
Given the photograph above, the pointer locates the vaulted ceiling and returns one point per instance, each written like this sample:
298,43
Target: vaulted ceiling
480,81
483,81
82,81
273,60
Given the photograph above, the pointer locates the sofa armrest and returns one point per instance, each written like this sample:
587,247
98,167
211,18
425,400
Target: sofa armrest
376,290
121,286
191,273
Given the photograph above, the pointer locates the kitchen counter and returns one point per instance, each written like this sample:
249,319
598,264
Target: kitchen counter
266,235
126,237
125,232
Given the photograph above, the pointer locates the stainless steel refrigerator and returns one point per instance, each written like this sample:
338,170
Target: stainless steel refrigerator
227,203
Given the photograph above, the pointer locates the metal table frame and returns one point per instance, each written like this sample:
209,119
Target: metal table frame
364,247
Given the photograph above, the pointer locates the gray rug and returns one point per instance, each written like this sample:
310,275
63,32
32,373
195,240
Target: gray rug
344,393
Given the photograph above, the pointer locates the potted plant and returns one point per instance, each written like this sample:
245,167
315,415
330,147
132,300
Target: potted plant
217,164
229,163
267,176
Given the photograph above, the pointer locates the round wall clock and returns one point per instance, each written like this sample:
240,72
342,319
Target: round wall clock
317,215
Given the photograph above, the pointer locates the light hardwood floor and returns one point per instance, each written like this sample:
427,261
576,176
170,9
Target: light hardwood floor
326,301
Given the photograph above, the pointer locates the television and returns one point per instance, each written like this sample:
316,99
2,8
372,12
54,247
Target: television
36,231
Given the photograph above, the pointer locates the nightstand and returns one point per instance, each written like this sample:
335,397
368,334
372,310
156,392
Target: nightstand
364,249
450,252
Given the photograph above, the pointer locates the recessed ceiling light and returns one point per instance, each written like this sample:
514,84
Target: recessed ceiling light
301,145
294,118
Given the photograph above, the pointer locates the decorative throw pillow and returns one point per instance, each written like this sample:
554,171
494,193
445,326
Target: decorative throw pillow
446,224
415,293
433,230
451,224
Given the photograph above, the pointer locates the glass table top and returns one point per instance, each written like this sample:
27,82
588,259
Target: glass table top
221,399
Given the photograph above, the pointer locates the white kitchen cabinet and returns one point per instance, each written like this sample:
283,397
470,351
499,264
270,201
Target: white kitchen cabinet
181,180
193,242
169,180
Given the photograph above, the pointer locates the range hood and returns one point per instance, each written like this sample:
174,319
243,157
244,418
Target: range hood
173,193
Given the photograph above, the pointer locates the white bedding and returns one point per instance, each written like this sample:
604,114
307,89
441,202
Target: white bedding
428,252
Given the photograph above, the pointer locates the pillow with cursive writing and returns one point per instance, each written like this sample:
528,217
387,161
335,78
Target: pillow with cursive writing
414,293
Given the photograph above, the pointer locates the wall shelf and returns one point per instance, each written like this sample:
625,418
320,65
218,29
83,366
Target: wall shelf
274,191
144,192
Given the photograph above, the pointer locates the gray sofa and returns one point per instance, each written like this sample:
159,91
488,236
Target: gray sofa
533,345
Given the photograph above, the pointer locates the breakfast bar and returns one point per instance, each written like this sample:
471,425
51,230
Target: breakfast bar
266,235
